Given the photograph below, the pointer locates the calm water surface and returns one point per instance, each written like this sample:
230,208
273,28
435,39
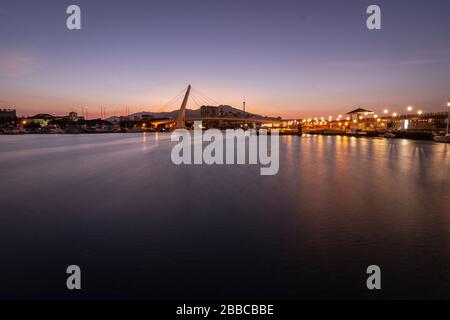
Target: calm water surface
141,227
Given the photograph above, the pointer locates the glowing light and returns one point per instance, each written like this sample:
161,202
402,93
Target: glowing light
378,120
24,122
409,108
394,114
375,116
354,121
419,112
385,111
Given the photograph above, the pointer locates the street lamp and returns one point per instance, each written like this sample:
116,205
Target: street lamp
419,112
409,108
385,111
394,114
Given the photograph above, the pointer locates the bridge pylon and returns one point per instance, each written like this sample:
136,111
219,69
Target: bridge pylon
181,118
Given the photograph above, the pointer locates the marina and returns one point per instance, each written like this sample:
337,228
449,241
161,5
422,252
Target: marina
108,203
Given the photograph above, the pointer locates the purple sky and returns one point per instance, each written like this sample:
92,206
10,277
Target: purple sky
288,58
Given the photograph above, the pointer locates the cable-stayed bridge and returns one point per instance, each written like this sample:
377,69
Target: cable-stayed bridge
201,99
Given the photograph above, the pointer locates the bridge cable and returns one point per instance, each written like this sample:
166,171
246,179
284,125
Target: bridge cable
207,98
195,101
173,100
203,100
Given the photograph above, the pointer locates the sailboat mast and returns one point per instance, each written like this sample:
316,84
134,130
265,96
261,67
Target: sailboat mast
448,116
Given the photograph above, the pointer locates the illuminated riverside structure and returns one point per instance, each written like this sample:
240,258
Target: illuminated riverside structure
360,121
419,121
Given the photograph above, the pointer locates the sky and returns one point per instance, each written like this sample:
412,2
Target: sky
294,59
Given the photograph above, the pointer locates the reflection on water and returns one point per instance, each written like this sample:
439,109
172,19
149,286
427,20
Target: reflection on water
141,227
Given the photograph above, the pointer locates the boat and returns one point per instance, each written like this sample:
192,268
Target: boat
445,138
14,130
357,132
388,135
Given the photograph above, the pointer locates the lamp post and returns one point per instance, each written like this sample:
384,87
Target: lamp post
448,119
408,109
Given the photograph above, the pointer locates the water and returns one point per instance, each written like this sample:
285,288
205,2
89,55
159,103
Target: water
141,227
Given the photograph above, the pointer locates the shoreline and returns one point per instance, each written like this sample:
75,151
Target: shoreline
424,136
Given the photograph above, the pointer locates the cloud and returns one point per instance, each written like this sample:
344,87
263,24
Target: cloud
383,63
15,64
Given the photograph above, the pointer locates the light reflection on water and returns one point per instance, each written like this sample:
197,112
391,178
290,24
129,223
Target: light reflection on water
142,227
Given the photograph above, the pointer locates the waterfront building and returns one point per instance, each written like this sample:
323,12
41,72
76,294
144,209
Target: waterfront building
7,115
209,111
41,119
360,114
73,116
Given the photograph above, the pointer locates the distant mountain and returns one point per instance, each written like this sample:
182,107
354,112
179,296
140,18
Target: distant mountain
171,115
224,110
